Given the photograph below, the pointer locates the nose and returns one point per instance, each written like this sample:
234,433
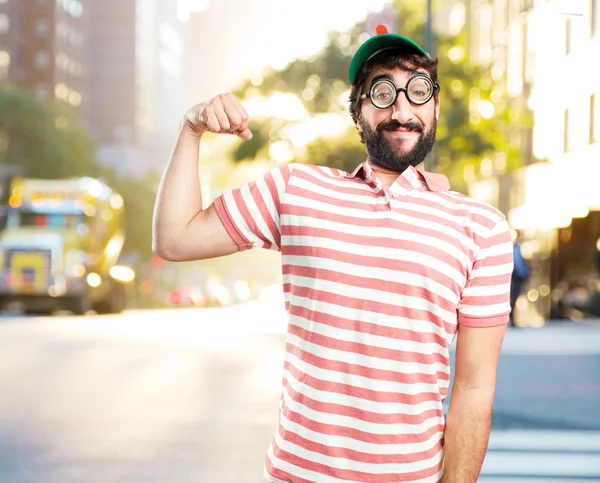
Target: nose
402,108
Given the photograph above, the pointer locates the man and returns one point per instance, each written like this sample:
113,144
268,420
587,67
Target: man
381,268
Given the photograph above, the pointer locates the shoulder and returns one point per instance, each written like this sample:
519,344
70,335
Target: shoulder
485,225
480,214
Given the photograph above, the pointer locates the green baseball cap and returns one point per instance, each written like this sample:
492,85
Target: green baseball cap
376,44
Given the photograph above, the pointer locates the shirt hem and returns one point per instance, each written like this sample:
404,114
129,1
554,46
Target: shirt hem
474,321
225,217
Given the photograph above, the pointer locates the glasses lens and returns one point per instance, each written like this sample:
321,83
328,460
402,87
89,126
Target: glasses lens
383,93
420,89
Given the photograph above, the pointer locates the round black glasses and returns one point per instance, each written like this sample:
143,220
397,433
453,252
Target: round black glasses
419,90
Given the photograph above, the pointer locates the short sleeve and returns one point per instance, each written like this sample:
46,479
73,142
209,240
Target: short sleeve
485,300
250,214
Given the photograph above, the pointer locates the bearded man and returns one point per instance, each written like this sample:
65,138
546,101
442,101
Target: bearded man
382,269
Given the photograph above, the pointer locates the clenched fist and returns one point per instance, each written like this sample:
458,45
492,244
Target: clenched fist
221,114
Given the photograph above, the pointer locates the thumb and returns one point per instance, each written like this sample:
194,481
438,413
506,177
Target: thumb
246,134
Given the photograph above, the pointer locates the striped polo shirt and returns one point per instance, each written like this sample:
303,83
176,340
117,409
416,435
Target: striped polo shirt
376,282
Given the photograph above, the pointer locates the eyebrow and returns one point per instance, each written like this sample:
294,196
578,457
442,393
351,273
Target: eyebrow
381,76
390,78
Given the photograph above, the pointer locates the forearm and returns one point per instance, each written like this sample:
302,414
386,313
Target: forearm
467,434
179,197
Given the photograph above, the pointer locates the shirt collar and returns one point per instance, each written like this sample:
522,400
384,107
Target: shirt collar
433,181
357,172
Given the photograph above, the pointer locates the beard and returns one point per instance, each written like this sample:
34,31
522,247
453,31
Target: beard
383,154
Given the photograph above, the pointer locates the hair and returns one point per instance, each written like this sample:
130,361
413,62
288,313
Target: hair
389,60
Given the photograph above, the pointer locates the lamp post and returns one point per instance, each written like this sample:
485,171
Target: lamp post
429,29
430,162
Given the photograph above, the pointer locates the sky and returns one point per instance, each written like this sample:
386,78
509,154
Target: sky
282,30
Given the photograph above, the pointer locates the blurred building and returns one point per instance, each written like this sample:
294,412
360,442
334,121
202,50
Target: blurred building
135,74
111,80
450,16
542,54
42,48
159,81
117,63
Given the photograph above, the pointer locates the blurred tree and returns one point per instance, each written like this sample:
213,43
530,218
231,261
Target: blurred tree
250,149
343,152
138,198
472,137
42,139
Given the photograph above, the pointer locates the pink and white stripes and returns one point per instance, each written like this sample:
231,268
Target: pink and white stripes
375,284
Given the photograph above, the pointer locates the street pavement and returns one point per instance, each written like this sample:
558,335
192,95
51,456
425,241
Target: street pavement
182,396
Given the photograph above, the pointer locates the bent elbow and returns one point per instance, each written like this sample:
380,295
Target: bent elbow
164,251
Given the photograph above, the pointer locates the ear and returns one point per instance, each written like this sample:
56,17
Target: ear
437,109
359,124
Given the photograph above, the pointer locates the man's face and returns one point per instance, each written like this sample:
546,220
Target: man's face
403,134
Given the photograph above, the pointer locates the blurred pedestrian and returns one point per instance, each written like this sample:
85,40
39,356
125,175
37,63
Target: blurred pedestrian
382,267
520,275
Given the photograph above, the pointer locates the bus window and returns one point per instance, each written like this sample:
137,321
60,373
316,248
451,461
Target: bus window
44,220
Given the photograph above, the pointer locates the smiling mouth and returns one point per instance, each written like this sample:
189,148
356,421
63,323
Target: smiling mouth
402,130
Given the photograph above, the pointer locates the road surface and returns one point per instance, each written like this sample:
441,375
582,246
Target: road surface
185,396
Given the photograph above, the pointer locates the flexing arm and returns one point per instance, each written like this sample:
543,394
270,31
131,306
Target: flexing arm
470,413
182,228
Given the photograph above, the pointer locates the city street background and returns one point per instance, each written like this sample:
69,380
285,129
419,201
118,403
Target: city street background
139,370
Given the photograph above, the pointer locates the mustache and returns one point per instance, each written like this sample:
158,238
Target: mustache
393,124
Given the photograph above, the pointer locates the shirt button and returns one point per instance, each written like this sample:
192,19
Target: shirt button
396,195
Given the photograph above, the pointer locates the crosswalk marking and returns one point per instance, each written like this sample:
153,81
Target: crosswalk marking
542,464
546,440
527,456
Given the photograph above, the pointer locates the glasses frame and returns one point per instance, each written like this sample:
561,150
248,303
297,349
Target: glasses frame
435,89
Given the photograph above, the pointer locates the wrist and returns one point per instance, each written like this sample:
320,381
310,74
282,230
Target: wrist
189,127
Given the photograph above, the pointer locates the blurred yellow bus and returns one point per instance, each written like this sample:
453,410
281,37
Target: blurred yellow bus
61,245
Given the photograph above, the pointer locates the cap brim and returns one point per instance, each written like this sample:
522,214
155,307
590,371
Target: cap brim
378,43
